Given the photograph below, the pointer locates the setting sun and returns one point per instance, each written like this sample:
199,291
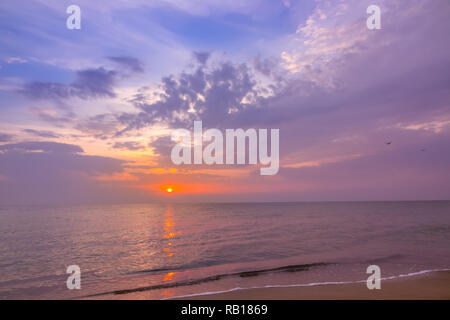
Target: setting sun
169,190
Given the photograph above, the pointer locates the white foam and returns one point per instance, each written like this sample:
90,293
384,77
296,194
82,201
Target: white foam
412,274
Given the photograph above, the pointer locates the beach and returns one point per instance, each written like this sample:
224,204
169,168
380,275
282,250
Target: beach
434,285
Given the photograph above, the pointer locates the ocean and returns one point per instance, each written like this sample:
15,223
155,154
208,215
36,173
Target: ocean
162,251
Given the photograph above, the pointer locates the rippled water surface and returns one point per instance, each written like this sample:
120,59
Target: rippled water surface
163,250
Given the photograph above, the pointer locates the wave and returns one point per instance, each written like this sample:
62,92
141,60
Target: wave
189,266
395,256
252,273
312,284
157,270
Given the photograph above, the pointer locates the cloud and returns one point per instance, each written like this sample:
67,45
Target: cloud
213,95
404,173
41,133
265,65
44,146
435,126
201,56
15,60
128,145
162,148
4,137
162,145
130,63
100,126
57,117
49,172
89,83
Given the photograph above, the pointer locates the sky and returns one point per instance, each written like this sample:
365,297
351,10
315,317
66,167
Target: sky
86,115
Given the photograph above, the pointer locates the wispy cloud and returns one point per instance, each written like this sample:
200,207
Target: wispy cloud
89,83
128,145
4,137
41,133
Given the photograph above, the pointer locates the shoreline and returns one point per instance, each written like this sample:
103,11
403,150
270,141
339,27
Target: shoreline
424,286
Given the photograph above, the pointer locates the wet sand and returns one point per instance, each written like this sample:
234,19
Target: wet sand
434,285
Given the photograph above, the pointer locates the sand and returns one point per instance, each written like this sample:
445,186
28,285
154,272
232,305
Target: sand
434,285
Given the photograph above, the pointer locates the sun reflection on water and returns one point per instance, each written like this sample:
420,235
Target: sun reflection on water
169,233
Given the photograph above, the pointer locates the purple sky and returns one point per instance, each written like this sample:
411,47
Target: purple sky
86,115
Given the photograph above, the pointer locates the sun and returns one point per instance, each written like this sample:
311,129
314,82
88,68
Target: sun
169,190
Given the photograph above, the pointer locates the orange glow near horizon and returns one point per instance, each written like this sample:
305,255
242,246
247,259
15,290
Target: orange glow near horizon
184,188
168,188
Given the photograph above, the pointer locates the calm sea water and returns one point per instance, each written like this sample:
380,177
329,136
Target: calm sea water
156,251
